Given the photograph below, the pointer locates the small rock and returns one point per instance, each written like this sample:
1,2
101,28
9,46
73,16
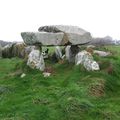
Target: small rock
101,53
46,74
23,75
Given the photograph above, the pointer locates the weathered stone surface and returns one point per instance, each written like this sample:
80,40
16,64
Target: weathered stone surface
6,51
57,35
4,43
62,28
18,50
101,53
28,49
58,52
86,59
32,38
57,55
49,29
75,35
35,60
70,53
14,50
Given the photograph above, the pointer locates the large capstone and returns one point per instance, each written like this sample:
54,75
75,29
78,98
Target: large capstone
35,60
72,34
62,28
42,38
57,35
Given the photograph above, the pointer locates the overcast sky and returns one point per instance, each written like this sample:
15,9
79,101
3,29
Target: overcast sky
100,17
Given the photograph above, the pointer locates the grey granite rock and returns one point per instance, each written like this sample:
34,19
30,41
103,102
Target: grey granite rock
101,53
35,60
57,35
75,35
70,53
62,28
86,59
14,50
58,52
43,38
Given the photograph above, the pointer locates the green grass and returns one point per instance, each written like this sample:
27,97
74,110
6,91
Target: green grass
66,95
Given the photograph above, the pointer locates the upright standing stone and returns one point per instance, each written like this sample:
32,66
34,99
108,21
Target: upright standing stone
58,52
70,52
35,60
41,63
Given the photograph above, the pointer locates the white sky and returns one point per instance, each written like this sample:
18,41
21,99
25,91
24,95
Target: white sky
100,17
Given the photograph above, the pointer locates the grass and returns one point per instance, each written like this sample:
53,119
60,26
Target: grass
70,93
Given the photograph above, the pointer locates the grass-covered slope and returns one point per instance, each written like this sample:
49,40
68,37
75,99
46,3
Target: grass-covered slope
70,93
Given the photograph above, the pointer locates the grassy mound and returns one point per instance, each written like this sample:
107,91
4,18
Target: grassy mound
70,93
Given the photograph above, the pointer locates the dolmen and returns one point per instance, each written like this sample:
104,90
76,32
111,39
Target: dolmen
55,35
